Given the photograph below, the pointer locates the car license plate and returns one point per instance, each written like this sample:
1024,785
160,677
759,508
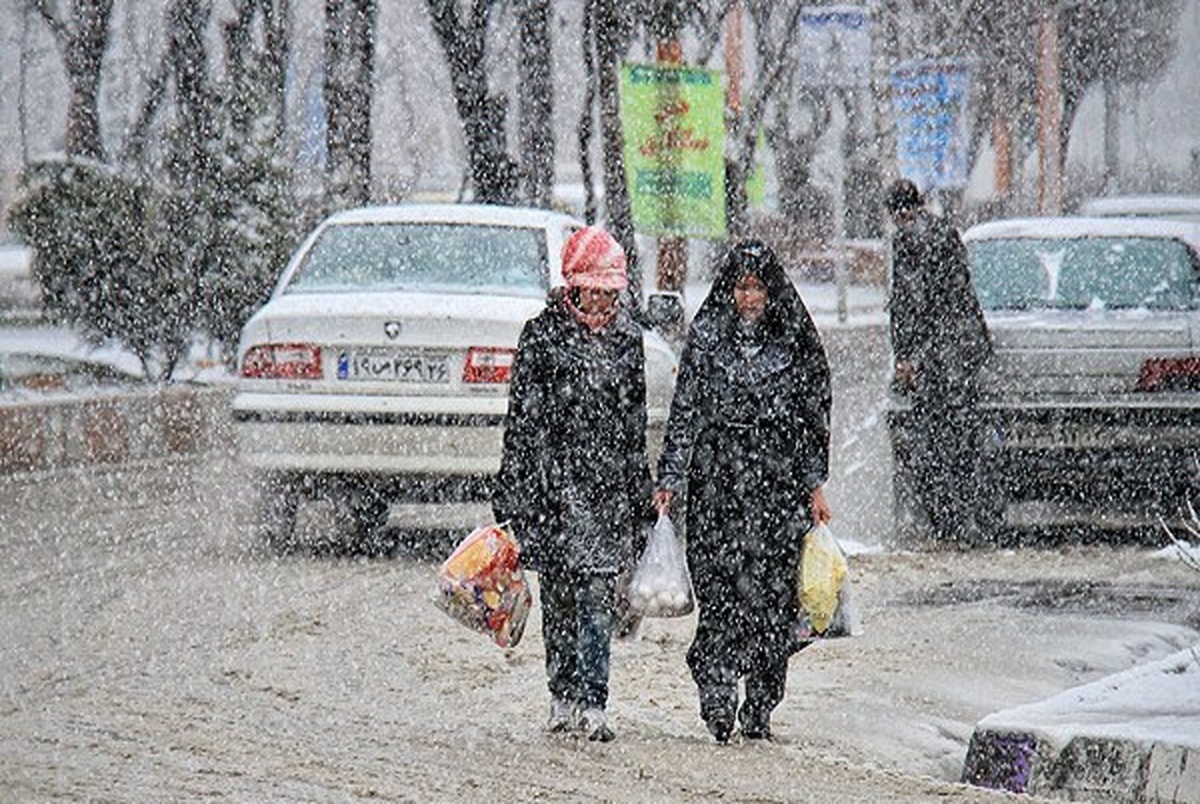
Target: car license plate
393,367
1069,436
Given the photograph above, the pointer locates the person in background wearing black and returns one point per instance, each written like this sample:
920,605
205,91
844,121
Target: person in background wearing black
940,343
748,439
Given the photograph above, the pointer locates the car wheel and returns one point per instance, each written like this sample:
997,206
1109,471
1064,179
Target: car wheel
369,509
279,497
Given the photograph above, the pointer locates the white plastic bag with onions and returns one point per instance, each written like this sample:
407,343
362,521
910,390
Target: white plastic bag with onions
661,585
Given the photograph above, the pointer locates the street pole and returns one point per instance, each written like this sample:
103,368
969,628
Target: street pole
1049,114
841,273
671,265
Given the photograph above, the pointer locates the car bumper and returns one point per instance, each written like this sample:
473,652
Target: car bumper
399,444
1110,453
386,438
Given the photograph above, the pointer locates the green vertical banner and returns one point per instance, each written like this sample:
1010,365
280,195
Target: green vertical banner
674,127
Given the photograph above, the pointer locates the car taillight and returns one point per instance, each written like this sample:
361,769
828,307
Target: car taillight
282,361
1170,374
488,364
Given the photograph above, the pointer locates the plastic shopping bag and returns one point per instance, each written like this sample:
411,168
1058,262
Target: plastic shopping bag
482,585
661,585
827,607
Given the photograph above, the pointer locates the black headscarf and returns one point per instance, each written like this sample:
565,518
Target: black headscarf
785,316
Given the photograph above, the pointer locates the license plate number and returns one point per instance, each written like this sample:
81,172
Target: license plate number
1064,436
391,367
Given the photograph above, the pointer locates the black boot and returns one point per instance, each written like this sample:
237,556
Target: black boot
720,726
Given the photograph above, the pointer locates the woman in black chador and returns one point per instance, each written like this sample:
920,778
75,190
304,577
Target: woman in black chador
748,438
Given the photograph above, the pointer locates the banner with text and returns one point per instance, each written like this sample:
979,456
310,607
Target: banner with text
673,122
930,99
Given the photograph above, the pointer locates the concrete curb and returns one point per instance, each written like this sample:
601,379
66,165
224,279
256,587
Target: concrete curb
1084,743
54,432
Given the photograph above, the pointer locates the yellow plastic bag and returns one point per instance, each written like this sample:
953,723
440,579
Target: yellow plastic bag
822,573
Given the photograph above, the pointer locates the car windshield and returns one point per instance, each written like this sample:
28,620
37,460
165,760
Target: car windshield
439,257
1082,273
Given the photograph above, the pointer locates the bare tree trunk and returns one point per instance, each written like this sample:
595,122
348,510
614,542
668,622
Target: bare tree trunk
493,171
22,88
136,137
277,16
365,16
188,20
250,88
586,115
536,90
610,44
81,39
772,58
349,81
238,36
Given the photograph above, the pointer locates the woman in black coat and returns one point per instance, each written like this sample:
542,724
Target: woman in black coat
748,439
574,479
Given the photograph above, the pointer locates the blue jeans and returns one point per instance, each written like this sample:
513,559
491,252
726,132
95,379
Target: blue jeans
577,626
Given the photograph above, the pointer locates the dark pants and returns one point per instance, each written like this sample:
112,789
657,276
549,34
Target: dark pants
717,682
737,640
945,460
577,626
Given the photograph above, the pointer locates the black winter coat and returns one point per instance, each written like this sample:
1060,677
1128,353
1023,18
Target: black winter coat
574,480
936,320
748,436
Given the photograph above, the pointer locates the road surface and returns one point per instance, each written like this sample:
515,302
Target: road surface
154,651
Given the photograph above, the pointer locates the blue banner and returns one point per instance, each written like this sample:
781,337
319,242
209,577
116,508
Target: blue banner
930,103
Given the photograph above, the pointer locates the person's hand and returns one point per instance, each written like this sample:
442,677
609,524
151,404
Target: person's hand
906,374
662,501
819,508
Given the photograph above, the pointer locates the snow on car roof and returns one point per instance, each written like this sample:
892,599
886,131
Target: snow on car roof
453,213
1068,228
59,342
1141,205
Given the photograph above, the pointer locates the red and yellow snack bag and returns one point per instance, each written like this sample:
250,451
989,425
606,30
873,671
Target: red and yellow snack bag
482,585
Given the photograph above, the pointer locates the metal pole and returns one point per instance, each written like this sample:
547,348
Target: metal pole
841,274
671,264
1049,114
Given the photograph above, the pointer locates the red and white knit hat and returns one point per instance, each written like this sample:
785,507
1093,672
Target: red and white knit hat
592,258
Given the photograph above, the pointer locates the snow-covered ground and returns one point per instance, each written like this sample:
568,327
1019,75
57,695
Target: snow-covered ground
1155,702
154,651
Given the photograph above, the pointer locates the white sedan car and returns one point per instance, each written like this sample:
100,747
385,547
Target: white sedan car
1166,207
378,371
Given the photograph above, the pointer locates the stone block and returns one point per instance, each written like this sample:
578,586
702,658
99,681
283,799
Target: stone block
105,437
1173,775
22,438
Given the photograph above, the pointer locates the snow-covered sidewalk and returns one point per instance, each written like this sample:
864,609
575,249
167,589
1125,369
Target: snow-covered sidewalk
1131,736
